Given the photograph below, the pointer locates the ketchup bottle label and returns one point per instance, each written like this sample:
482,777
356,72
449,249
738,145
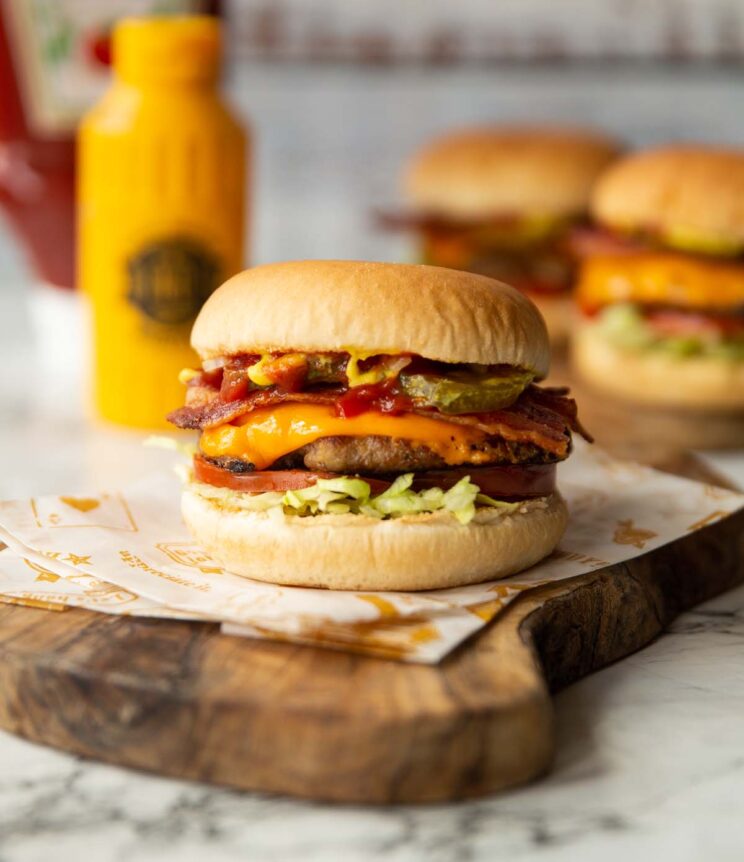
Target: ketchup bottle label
62,54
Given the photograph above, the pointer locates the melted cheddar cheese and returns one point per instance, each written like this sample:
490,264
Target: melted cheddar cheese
661,279
268,434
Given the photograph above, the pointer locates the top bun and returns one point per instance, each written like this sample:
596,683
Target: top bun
676,191
337,305
490,171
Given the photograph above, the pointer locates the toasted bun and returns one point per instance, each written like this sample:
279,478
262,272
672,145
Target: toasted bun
679,189
495,170
353,552
656,378
337,305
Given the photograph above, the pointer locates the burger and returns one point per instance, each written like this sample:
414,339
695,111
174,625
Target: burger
500,201
661,289
373,426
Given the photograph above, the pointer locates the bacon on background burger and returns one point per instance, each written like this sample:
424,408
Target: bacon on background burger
661,288
373,426
499,200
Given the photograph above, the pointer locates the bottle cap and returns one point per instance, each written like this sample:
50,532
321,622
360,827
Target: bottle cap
167,49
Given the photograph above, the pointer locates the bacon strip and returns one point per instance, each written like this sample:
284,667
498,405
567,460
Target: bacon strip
540,416
592,241
556,398
521,424
543,417
208,414
437,223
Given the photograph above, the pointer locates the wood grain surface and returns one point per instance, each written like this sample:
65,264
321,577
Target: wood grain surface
180,699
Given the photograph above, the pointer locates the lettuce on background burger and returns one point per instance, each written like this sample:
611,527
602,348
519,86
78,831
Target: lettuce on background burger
373,426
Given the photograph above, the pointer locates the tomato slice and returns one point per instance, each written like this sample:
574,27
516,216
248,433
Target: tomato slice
258,481
674,322
586,241
503,482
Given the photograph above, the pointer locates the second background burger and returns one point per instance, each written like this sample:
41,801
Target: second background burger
661,293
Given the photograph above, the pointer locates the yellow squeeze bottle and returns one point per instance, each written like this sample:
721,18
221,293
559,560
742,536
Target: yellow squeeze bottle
160,195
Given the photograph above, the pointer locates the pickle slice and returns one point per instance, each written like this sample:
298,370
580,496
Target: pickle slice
466,392
326,368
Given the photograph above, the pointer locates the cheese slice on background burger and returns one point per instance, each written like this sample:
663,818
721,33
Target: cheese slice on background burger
373,426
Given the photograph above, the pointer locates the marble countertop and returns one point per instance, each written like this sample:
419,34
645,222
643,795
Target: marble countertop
650,761
650,766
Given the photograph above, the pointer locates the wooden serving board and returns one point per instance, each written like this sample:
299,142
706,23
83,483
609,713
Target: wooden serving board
181,699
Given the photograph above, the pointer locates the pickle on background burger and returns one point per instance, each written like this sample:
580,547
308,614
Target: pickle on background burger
373,426
662,284
499,201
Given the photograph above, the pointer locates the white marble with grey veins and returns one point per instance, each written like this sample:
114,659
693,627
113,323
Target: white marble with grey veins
650,761
650,767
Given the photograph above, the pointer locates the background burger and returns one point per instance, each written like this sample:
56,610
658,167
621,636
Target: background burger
373,426
499,201
662,285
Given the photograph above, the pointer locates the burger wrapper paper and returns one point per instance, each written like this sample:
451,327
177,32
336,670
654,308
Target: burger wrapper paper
128,552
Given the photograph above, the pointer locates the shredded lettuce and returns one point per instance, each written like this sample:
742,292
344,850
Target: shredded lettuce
624,326
349,495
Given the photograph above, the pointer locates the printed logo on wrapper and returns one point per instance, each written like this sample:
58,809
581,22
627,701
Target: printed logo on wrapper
626,533
190,554
96,591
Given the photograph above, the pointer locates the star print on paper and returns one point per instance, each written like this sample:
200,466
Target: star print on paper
78,560
42,574
627,533
47,576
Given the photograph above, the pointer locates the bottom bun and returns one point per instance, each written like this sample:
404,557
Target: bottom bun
656,378
354,552
557,312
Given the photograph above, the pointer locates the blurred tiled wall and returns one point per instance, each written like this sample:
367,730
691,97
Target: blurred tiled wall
448,31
